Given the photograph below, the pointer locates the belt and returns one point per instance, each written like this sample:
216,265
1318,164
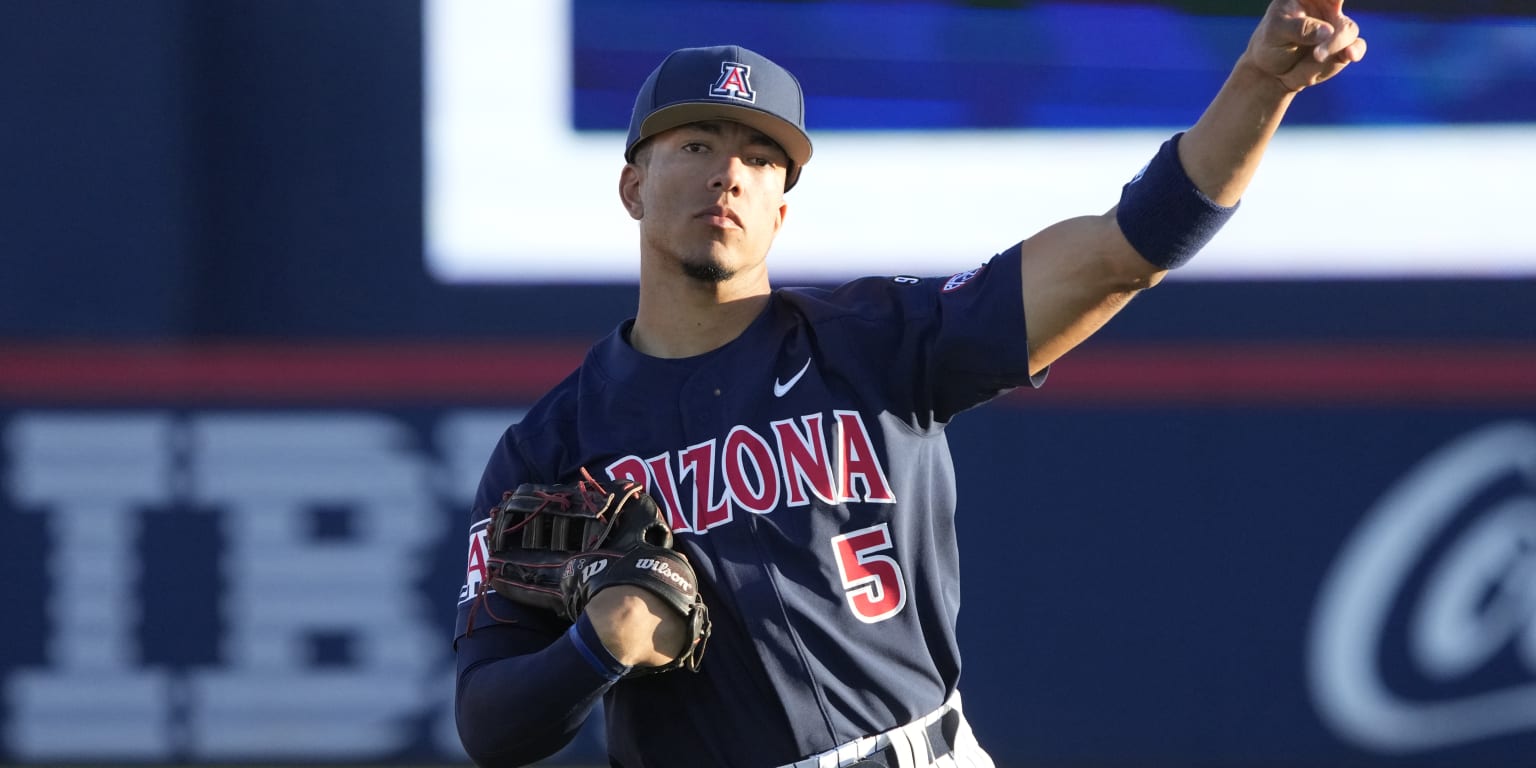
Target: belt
914,745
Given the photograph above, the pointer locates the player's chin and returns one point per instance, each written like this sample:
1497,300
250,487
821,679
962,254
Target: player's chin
707,270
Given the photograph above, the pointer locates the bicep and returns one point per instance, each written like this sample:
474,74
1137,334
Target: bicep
1076,274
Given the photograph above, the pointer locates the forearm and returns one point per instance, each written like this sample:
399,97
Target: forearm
1221,152
515,706
1081,272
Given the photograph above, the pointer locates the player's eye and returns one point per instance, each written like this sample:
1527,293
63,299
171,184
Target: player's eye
695,147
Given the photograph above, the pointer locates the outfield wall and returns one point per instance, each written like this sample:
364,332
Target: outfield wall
1215,554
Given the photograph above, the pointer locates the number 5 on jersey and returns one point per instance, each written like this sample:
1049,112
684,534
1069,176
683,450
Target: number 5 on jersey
872,581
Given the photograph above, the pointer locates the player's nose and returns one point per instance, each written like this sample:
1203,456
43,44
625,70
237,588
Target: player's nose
728,174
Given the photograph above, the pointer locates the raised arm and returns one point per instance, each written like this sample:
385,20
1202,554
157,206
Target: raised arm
1078,273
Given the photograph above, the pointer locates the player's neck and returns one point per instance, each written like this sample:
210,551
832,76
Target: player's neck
684,317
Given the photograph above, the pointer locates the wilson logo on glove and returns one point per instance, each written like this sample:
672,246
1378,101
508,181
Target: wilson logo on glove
665,570
592,570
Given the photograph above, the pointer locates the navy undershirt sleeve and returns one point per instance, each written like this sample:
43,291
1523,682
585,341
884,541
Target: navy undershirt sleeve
520,697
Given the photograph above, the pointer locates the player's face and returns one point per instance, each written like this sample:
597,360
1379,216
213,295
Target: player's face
709,197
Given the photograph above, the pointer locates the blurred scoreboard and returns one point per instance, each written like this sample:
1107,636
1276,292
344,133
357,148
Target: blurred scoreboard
945,132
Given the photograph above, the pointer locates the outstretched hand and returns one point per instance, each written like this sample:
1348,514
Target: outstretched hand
1304,42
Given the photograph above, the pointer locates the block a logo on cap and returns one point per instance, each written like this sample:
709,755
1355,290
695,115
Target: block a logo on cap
734,83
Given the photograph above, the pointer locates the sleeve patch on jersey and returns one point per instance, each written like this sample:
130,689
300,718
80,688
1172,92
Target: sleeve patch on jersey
474,573
957,280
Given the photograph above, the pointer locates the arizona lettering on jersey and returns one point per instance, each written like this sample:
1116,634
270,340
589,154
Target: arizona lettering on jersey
794,462
475,570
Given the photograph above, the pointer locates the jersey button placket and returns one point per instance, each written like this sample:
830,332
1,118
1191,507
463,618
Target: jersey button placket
701,402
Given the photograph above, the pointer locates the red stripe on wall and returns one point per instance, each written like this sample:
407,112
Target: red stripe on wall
425,372
329,373
1322,374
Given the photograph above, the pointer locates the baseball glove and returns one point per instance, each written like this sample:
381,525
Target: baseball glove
555,546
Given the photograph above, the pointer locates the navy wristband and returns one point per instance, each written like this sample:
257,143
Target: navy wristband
1166,218
585,638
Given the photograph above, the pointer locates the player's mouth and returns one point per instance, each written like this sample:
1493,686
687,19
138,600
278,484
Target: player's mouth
720,216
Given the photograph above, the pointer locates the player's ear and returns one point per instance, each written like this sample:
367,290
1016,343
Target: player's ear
629,190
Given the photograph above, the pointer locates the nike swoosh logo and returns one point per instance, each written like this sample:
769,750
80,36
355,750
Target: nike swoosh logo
782,388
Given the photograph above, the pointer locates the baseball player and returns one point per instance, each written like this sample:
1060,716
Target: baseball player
794,438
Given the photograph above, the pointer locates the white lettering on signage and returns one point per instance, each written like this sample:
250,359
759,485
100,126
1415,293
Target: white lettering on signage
94,476
263,474
1462,522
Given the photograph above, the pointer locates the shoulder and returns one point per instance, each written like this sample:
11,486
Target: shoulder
865,300
539,439
883,299
562,402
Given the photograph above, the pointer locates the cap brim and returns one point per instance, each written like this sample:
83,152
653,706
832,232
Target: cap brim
794,141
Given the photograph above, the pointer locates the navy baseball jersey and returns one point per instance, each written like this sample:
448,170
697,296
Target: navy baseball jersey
804,469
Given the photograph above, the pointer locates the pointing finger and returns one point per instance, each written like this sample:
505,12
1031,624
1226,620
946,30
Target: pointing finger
1327,9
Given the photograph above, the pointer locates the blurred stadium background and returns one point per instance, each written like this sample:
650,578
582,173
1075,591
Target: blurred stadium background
274,274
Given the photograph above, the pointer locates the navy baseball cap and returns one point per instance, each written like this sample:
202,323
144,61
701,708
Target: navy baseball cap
725,82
